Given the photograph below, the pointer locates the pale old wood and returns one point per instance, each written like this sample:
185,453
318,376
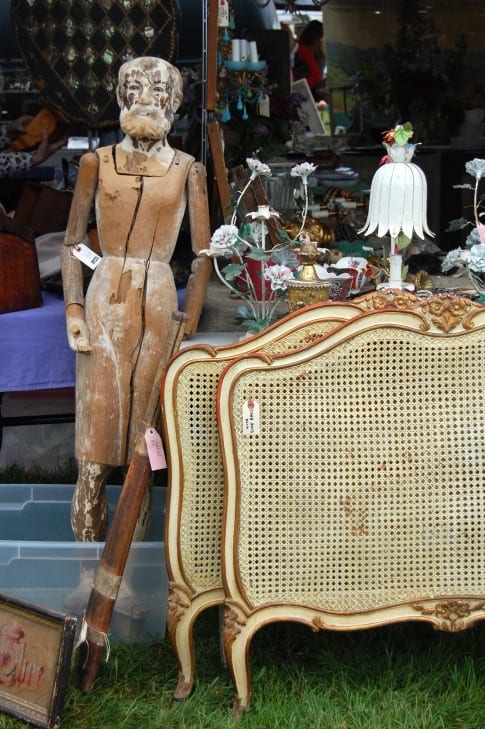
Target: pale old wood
120,371
200,233
214,134
101,603
142,190
212,41
196,478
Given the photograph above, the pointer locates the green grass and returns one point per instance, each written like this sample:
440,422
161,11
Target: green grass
67,473
17,474
402,676
405,676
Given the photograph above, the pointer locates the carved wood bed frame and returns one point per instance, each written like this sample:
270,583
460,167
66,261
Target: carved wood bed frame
367,459
356,499
193,521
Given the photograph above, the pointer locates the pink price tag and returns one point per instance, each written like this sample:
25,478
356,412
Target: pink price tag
156,454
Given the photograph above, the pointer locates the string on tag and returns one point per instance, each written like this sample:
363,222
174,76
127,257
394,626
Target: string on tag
83,639
82,633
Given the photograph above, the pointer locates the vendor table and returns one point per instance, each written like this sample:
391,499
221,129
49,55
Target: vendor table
35,355
34,352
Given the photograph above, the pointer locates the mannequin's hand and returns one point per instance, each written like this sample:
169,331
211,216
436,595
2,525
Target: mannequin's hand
78,334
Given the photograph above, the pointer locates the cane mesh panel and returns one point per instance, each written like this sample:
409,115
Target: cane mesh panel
203,478
365,485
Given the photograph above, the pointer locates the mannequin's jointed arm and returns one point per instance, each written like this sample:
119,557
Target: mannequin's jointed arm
200,234
72,275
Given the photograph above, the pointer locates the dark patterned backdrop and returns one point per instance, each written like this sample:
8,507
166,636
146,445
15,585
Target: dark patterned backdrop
74,48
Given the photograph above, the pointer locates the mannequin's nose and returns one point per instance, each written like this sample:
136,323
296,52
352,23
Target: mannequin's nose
144,96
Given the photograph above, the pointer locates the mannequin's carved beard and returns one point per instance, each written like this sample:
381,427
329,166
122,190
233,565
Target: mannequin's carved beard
139,126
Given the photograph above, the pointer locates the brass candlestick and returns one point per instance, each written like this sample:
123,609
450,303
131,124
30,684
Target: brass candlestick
307,288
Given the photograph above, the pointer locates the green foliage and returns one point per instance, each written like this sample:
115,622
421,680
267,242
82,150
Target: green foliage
258,254
247,320
233,270
458,224
403,134
407,676
402,241
415,77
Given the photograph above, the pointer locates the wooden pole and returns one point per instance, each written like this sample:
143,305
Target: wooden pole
219,167
212,31
111,566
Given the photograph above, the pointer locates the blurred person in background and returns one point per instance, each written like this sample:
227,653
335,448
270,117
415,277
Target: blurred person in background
309,59
12,162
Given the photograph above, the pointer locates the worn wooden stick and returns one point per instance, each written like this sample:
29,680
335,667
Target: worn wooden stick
212,30
111,566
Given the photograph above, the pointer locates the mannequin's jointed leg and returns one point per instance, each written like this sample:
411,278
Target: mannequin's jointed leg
89,521
89,509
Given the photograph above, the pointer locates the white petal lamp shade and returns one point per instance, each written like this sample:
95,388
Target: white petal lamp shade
398,197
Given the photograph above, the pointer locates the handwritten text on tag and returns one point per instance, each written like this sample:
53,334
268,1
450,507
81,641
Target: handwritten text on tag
250,417
223,14
156,454
86,255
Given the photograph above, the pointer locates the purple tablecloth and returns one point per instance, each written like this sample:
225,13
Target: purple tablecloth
34,353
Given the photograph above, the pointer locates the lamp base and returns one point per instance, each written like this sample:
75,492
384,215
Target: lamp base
396,285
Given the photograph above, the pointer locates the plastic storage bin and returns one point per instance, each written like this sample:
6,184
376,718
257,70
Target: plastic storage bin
41,562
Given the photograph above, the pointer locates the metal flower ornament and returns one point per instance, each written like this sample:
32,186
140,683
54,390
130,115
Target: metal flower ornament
472,257
257,273
398,198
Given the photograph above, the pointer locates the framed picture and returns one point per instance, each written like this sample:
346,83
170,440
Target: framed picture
309,107
35,661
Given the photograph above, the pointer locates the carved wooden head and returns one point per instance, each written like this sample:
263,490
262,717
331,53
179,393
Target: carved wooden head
149,92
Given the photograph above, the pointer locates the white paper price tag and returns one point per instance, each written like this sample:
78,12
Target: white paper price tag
250,417
86,255
223,14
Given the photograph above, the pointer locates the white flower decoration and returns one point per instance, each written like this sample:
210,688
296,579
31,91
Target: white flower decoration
454,258
224,237
476,260
303,170
263,212
398,153
258,168
254,275
278,276
476,167
222,241
473,238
